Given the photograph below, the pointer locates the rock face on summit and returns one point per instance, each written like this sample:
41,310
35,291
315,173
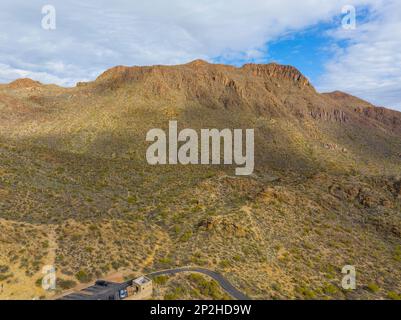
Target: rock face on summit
277,71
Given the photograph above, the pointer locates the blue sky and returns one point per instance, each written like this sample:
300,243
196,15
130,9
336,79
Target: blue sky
93,36
307,50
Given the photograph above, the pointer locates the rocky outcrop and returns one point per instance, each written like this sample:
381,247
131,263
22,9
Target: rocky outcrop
24,83
222,225
277,71
391,119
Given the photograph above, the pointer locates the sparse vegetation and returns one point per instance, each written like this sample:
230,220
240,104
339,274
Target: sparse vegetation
373,287
76,190
330,289
207,288
393,295
306,293
160,280
65,284
82,276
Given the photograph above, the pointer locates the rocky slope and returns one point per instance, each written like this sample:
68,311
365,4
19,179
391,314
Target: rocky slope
325,192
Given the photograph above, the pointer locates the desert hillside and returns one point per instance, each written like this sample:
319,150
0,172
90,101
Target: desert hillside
76,190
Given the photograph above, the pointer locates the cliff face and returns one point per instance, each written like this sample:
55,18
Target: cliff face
277,71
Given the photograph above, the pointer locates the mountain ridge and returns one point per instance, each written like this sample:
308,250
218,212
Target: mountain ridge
269,70
258,90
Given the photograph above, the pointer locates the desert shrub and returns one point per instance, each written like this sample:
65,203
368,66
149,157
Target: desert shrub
105,268
186,236
237,257
166,261
397,253
116,264
393,295
93,228
4,269
175,293
207,288
160,280
132,199
373,287
38,282
306,293
82,276
224,264
76,237
4,276
330,289
89,249
65,284
177,229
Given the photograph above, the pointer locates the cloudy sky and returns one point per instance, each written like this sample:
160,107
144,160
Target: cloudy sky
98,34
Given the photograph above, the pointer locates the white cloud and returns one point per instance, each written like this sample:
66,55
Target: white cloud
94,35
370,66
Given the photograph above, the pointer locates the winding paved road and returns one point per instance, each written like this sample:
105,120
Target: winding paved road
223,282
